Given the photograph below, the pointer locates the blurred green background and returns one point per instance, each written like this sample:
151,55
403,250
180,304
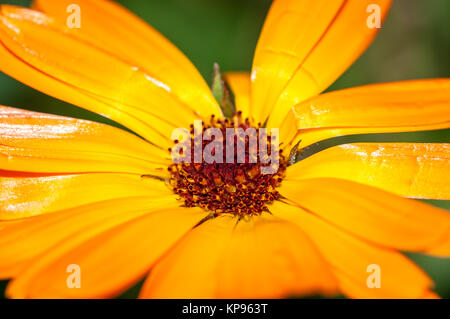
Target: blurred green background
413,44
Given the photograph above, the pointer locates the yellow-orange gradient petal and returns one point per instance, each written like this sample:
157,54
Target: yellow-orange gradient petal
261,258
304,47
37,142
189,269
25,195
240,85
109,262
408,169
39,52
373,214
388,107
349,258
268,257
119,32
23,240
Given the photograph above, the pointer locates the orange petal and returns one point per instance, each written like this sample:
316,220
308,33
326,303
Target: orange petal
122,91
119,32
268,257
188,270
25,196
373,214
350,257
303,48
240,85
430,295
407,169
37,142
388,107
261,258
109,262
24,240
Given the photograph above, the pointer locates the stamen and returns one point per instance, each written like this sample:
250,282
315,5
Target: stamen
234,188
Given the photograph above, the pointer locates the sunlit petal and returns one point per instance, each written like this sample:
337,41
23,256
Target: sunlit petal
37,142
264,257
349,258
379,108
303,48
373,214
111,260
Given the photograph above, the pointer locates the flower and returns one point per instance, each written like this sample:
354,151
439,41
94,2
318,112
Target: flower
75,192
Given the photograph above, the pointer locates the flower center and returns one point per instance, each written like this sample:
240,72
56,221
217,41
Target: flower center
228,166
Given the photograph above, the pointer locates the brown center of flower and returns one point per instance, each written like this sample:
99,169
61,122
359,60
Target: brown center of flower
237,171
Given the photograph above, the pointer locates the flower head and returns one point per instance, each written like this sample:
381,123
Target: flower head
120,207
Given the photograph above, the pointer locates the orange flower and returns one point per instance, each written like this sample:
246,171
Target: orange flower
84,193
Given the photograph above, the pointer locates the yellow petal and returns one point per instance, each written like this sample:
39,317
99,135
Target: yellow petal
25,195
109,262
261,258
373,214
24,240
303,48
407,169
240,85
118,31
37,142
349,258
388,107
123,90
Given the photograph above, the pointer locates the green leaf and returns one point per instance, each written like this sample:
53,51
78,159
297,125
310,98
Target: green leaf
222,93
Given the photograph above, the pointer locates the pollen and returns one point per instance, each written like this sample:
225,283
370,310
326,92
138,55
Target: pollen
234,174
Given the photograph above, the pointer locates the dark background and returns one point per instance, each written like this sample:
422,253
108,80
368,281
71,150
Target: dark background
413,44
